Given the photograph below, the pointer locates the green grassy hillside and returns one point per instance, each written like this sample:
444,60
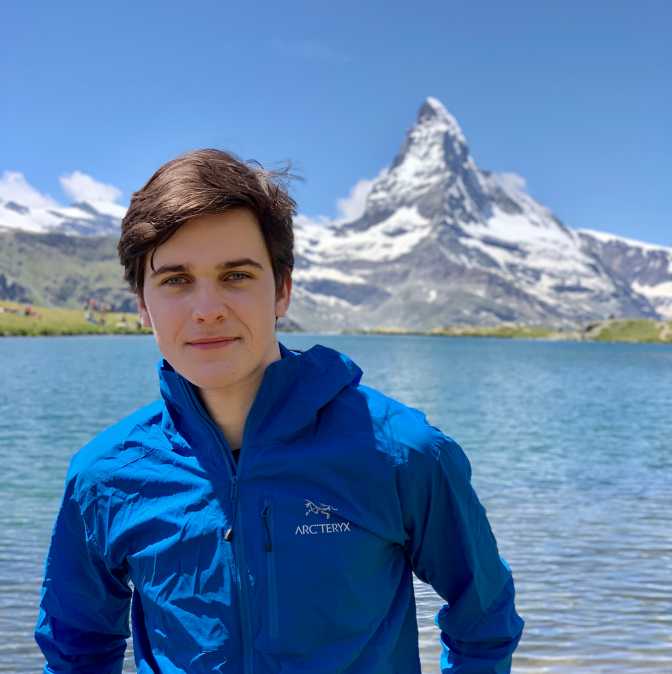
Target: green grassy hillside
55,270
632,331
50,321
625,330
56,321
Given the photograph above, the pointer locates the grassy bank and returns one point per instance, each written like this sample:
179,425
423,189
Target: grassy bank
50,321
625,330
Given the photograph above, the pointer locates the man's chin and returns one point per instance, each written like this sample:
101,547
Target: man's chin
209,376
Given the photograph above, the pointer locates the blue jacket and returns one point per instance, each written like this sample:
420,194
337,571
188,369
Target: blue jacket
297,560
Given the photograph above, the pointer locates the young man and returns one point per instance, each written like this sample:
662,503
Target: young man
269,510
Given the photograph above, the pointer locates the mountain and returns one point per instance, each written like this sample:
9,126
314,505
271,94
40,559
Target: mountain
440,241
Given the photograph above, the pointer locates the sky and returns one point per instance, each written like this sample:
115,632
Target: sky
574,96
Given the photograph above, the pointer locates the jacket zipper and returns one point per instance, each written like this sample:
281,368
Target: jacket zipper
237,539
267,517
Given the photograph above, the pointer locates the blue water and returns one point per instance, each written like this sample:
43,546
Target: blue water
570,444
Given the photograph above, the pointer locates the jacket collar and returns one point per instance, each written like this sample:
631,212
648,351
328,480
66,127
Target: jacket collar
292,391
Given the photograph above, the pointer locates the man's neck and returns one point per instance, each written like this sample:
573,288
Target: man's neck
229,407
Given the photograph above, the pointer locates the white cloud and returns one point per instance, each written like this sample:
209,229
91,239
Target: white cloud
82,187
512,182
347,208
15,187
352,206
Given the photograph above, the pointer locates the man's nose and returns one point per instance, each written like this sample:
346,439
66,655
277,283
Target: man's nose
209,305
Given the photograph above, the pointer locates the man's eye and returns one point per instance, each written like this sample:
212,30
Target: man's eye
237,276
168,281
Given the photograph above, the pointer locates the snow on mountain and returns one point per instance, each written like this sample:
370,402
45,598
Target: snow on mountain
16,216
386,240
85,218
436,240
94,210
647,269
606,237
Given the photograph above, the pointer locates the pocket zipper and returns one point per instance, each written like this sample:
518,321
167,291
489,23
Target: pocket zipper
266,516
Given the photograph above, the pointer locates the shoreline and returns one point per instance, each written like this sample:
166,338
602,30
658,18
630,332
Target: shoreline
624,330
21,320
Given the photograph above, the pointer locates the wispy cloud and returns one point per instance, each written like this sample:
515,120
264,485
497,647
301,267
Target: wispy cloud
80,186
348,208
352,206
512,181
15,187
311,50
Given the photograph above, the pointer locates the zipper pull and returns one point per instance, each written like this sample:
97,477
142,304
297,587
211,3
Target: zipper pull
265,514
228,534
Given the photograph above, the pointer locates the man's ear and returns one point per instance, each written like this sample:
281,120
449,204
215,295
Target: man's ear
142,310
283,296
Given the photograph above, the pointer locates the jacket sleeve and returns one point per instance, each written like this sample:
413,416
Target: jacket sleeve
82,625
451,546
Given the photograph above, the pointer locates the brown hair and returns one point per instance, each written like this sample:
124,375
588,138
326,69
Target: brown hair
203,182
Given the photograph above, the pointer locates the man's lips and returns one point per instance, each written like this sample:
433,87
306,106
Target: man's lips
209,340
212,342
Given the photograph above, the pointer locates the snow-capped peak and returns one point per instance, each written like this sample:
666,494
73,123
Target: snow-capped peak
433,157
434,104
433,112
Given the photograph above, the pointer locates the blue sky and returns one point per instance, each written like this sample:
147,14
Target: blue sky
573,96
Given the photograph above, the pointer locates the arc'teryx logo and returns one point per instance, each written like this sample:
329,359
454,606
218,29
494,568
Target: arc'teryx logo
321,509
318,509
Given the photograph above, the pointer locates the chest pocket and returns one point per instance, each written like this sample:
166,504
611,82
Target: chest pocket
328,578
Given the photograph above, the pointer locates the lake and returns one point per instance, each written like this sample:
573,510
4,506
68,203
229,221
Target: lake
570,445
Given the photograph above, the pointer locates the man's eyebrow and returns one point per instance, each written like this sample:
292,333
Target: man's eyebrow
230,264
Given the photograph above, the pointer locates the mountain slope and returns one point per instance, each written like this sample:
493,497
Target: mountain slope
57,270
645,268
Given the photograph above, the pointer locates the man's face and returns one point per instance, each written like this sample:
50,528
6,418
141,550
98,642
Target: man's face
221,285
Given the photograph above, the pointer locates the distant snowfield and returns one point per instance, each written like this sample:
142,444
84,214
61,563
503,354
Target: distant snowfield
523,229
657,291
326,273
37,220
94,207
537,242
384,241
606,237
660,294
99,217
